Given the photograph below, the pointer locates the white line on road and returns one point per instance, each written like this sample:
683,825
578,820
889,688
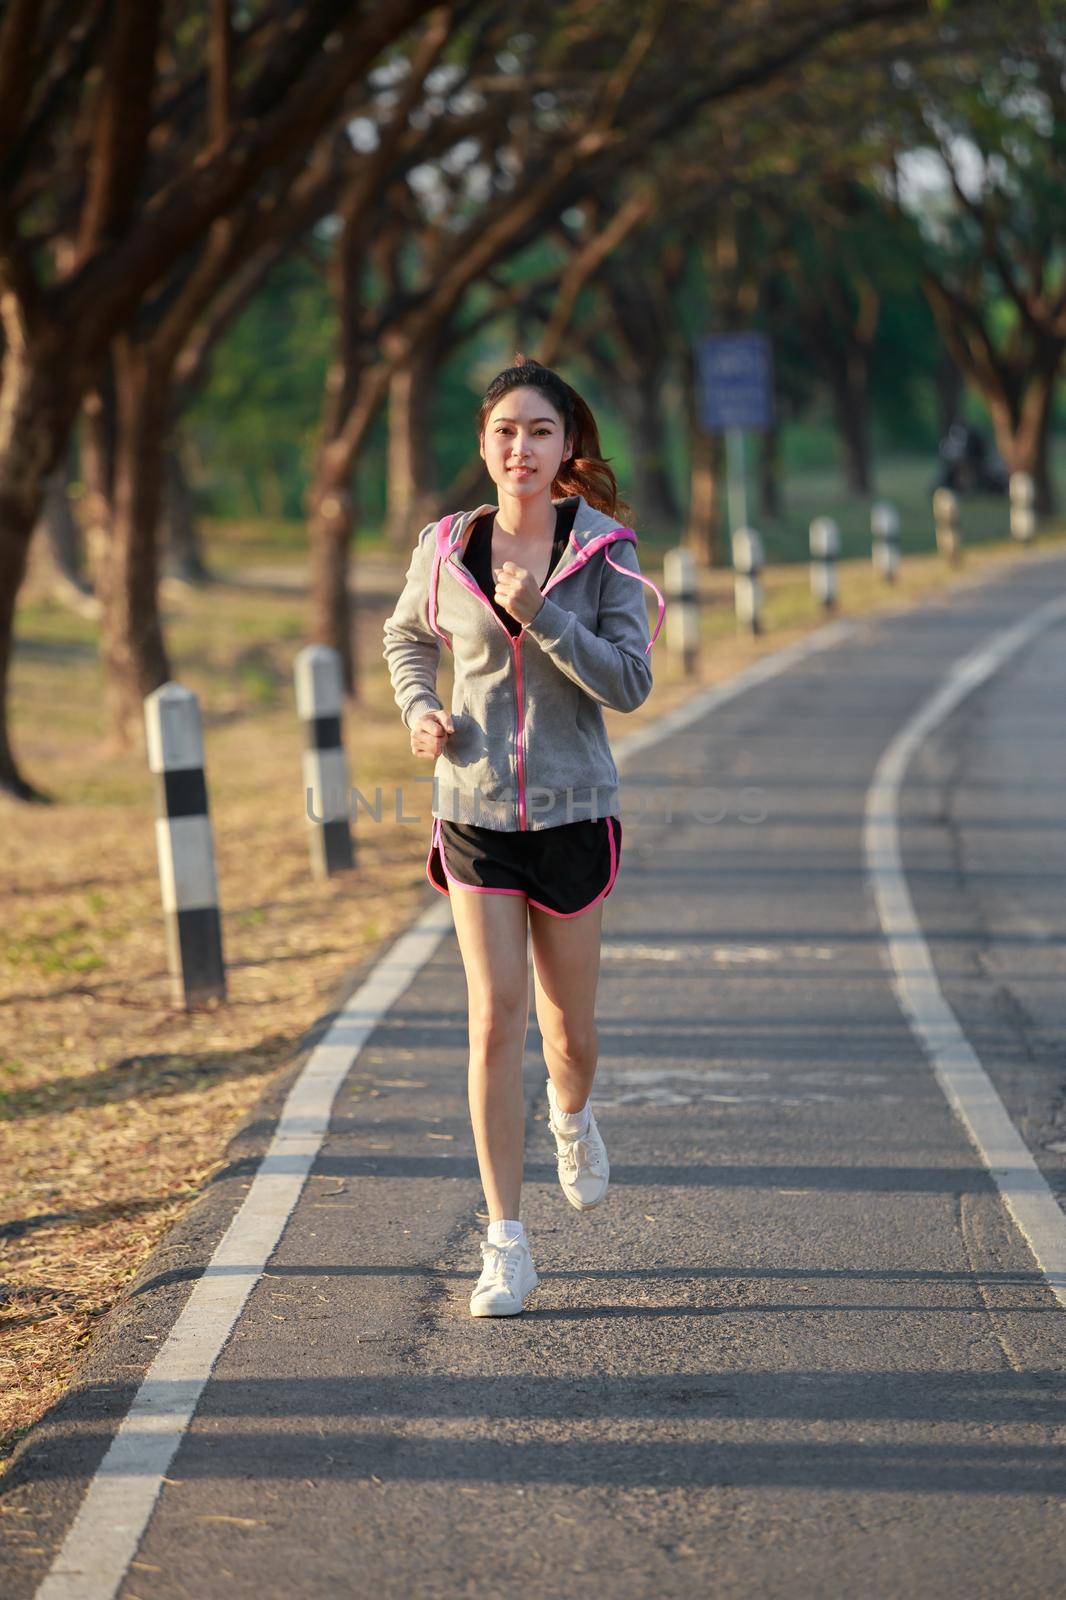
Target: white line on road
103,1538
964,1081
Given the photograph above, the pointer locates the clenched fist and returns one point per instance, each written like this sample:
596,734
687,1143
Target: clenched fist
517,592
429,733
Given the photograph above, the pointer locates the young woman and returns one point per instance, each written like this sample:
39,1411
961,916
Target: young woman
540,600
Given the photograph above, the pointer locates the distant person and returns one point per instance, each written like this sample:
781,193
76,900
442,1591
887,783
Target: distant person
968,463
540,599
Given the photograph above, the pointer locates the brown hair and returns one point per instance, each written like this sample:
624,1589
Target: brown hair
586,472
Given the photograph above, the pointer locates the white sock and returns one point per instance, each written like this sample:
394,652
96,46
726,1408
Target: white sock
568,1121
572,1120
502,1230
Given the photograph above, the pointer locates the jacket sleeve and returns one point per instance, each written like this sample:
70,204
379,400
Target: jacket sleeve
412,650
611,664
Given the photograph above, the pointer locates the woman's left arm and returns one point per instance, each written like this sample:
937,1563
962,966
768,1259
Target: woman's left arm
611,664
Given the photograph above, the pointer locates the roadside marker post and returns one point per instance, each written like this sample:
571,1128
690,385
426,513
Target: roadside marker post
682,612
946,519
319,704
884,526
825,548
184,846
747,590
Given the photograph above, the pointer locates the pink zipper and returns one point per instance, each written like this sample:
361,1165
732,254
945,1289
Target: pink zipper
516,648
520,742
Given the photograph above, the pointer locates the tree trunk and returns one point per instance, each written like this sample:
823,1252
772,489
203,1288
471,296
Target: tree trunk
183,535
1022,430
331,521
56,549
848,378
412,490
1017,386
769,473
131,634
703,532
36,414
653,490
19,515
949,390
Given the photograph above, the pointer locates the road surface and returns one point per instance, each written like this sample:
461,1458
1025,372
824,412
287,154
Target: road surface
803,1350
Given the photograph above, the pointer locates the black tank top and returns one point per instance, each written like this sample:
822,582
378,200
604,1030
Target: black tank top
478,555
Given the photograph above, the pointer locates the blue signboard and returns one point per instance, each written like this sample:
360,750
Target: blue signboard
735,381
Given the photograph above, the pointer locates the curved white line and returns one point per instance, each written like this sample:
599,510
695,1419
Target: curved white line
964,1081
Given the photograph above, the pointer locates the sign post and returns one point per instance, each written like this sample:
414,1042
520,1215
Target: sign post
735,393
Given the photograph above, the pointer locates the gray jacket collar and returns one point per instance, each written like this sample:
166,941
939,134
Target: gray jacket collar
589,525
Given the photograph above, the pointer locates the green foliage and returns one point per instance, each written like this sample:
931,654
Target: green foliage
252,433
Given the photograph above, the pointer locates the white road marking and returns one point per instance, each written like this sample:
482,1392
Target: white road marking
964,1081
103,1538
724,954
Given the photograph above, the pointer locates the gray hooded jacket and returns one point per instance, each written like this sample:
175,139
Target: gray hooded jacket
530,748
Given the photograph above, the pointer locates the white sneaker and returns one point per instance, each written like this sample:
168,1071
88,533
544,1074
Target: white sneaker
584,1170
507,1276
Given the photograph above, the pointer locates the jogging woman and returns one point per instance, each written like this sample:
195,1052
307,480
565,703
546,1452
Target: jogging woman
540,601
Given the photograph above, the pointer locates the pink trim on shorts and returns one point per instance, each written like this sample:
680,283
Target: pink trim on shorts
433,837
438,840
603,892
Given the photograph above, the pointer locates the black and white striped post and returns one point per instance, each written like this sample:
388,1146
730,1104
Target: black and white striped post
319,702
946,519
682,611
1022,515
747,591
825,548
184,846
884,551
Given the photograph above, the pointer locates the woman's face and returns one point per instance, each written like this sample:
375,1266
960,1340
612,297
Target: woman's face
524,444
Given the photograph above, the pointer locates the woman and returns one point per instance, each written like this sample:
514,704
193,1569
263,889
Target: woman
525,802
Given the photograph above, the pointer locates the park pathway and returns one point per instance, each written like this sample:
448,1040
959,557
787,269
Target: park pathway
802,1351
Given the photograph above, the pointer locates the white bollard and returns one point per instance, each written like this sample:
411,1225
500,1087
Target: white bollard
319,703
946,518
884,526
825,548
1022,515
184,846
681,592
747,591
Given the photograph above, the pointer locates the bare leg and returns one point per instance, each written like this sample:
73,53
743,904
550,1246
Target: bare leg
492,930
566,969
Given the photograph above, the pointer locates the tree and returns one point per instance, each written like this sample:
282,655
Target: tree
994,238
114,161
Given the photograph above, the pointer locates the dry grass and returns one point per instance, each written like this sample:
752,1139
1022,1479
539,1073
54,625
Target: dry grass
115,1109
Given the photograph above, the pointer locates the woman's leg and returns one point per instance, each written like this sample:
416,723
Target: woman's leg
566,970
492,930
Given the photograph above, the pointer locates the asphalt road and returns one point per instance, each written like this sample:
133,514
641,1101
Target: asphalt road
802,1350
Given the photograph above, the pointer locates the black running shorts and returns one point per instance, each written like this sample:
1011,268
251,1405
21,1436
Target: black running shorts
563,870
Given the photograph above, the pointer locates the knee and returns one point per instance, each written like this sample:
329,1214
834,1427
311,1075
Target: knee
574,1046
499,1022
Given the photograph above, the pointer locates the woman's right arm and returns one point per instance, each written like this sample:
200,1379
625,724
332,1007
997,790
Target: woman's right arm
412,649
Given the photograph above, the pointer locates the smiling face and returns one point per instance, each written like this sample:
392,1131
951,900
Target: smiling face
524,444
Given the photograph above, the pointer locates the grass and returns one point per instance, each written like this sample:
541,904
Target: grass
115,1109
906,482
